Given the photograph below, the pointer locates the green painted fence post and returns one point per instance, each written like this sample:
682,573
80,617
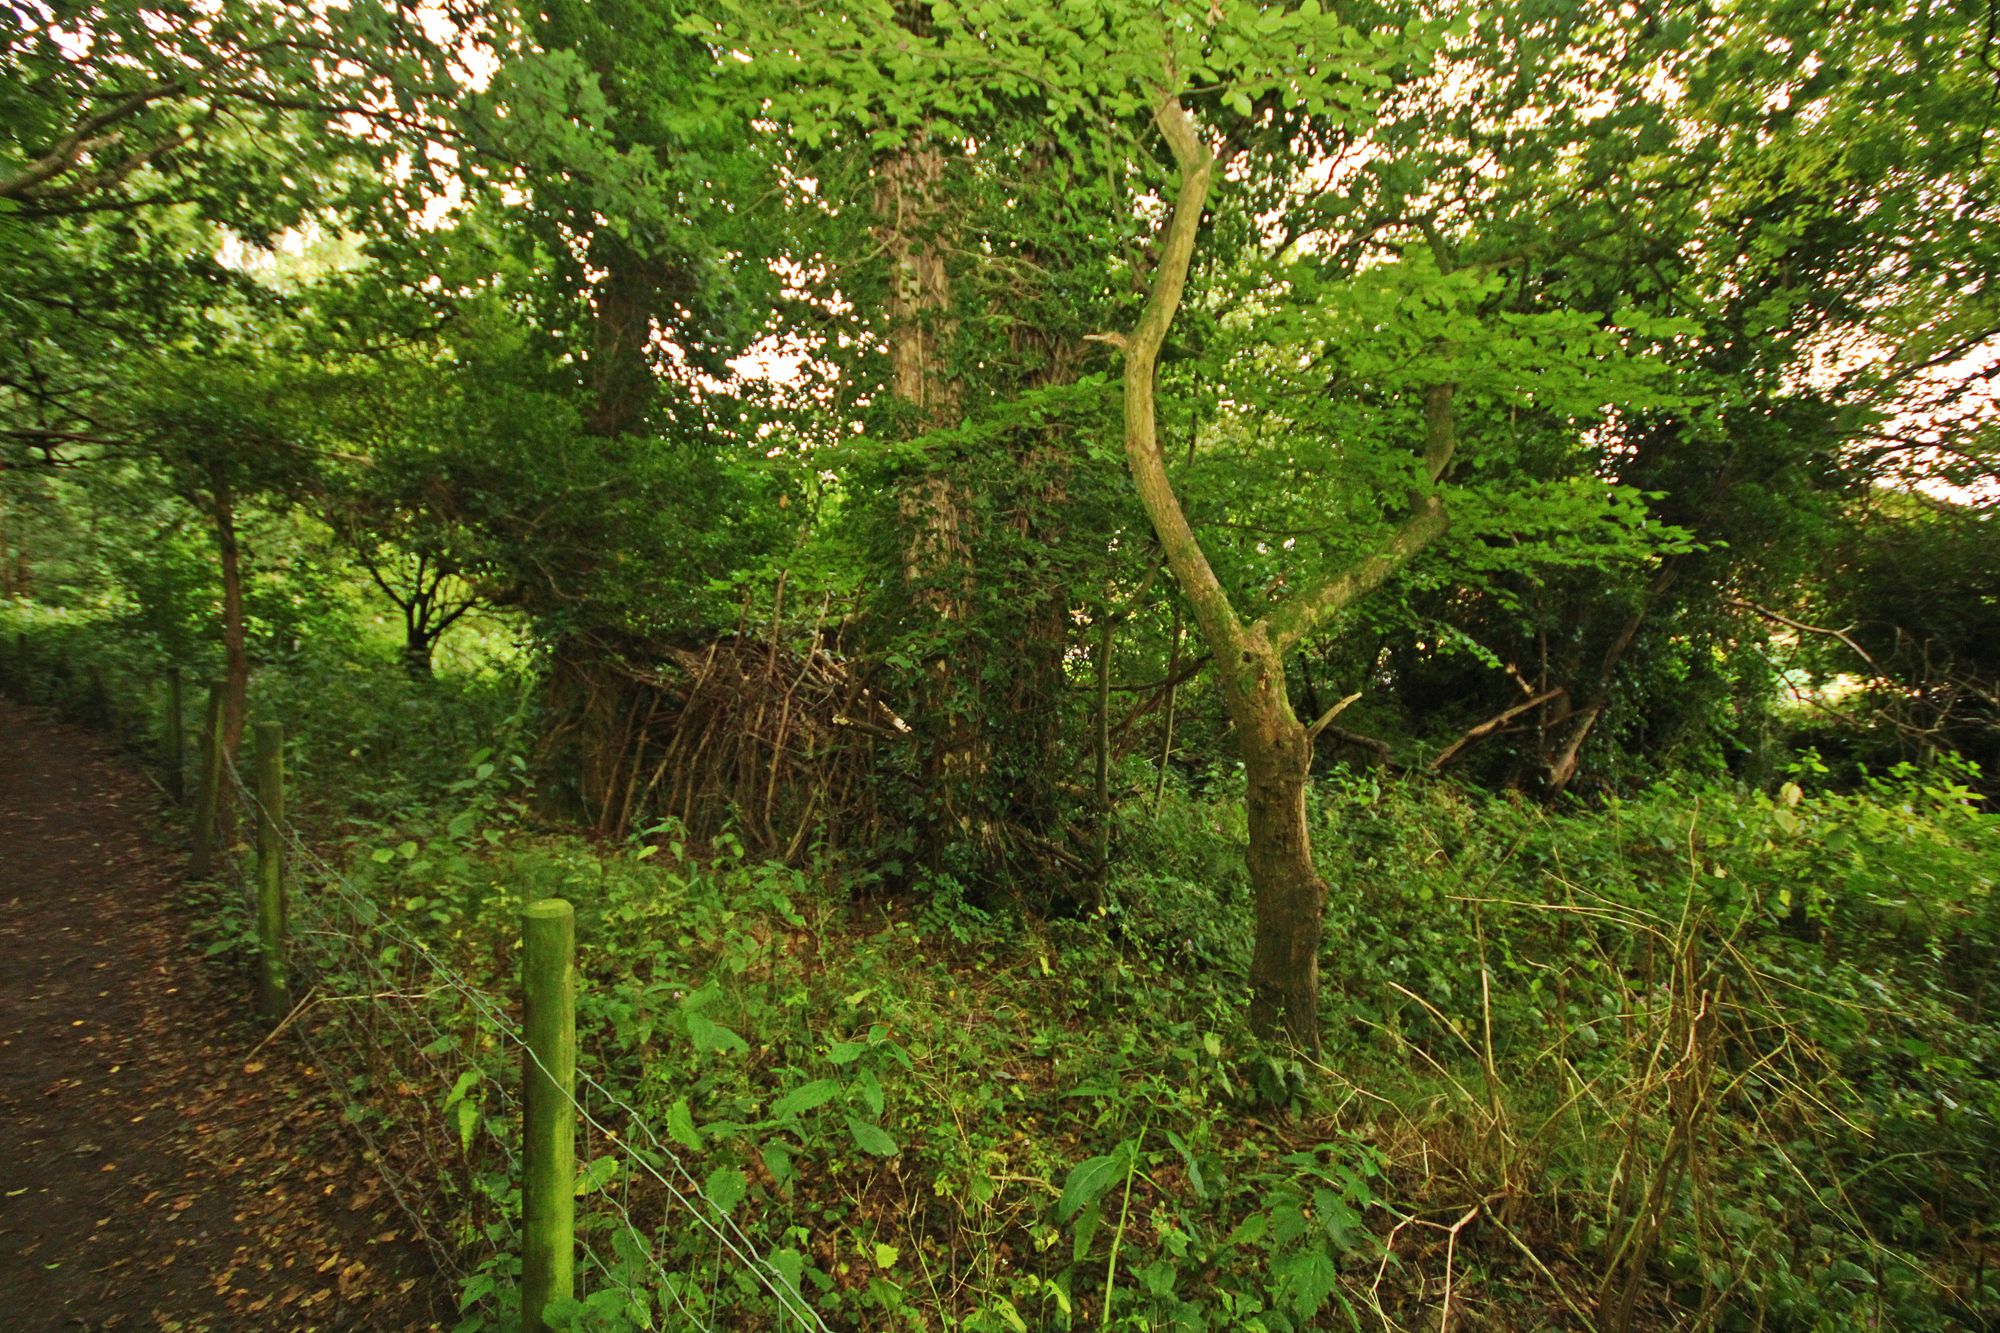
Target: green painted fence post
208,796
548,1156
272,999
175,758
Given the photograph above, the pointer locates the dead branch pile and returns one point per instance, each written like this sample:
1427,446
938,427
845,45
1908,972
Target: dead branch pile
753,734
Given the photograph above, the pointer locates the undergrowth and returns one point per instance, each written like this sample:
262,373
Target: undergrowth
1694,1057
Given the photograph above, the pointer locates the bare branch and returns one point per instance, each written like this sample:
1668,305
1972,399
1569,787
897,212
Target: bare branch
1766,613
1325,719
1493,724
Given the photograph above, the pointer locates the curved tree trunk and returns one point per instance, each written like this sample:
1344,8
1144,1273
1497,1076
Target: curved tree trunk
1277,749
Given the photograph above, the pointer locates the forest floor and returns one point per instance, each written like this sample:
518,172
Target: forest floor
160,1166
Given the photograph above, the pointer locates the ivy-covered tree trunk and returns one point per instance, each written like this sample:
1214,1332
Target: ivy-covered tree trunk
588,701
933,512
10,586
980,530
621,372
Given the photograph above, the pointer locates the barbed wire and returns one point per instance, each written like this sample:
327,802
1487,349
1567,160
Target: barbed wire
332,940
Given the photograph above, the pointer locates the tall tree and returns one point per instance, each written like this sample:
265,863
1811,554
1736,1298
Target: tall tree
1268,100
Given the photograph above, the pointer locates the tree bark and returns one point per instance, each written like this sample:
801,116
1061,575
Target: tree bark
1290,896
932,509
235,649
417,645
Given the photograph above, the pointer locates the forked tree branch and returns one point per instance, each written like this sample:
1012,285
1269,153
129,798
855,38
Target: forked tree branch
1143,455
1427,522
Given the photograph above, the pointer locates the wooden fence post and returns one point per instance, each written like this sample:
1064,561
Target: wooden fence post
208,797
175,758
548,1155
272,998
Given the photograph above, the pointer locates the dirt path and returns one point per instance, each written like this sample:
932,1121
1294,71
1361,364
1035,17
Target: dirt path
157,1170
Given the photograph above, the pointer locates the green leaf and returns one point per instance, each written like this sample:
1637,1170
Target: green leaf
846,1052
680,1126
1249,1231
886,1255
788,1264
595,1175
807,1097
870,1089
709,1036
1305,1280
1091,1177
871,1138
725,1188
466,1080
1086,1231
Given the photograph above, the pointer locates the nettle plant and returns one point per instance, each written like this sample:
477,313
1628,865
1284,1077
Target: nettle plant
1299,1221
